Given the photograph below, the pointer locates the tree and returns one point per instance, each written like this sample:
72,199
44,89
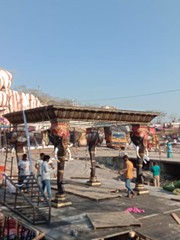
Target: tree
160,118
44,98
173,117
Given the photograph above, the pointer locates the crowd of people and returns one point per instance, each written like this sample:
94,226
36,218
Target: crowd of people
44,169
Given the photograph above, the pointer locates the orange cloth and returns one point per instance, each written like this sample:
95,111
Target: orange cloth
129,169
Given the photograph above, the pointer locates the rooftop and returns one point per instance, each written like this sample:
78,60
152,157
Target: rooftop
47,113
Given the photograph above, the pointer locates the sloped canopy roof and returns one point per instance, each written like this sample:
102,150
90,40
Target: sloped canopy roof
48,113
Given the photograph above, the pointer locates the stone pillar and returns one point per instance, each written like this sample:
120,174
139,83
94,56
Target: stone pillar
140,181
60,132
92,141
139,137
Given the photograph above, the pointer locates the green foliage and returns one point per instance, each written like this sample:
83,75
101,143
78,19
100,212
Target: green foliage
177,184
169,187
173,187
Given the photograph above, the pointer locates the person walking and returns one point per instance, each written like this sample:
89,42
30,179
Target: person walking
169,150
128,171
46,170
38,167
156,174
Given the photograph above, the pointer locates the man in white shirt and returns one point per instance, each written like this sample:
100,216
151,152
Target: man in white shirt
46,170
38,167
24,169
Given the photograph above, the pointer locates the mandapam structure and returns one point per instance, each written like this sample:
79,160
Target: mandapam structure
59,117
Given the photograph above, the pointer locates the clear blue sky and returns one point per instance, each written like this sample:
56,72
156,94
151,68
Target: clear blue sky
95,49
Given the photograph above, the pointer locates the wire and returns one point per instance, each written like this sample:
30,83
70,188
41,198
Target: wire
132,96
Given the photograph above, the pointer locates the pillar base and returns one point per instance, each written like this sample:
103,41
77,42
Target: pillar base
93,183
139,188
60,201
141,192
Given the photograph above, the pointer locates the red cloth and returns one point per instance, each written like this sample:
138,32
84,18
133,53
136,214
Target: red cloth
60,129
134,210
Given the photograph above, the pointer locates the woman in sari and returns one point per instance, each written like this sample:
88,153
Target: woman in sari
169,150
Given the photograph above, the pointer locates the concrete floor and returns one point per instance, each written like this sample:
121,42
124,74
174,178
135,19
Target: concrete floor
71,222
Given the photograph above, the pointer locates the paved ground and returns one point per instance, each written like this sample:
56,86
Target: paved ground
70,222
157,222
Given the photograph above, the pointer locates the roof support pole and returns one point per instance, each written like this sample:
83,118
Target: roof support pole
92,141
28,141
60,139
139,137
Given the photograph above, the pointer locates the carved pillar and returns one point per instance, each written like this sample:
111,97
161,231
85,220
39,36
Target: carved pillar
140,180
139,138
93,177
92,141
60,131
60,173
